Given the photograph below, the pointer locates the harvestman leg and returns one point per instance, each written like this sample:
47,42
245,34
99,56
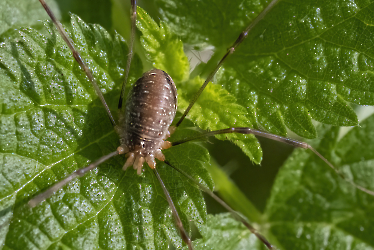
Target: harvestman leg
177,219
235,214
289,141
131,51
286,140
230,51
78,58
243,130
80,172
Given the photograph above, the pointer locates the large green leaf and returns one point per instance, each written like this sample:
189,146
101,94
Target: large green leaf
310,206
303,61
52,123
326,212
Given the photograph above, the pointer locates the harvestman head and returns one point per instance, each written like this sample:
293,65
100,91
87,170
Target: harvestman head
154,96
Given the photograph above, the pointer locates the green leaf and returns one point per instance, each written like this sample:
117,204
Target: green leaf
17,13
298,62
52,124
314,213
165,50
305,212
210,105
288,71
222,232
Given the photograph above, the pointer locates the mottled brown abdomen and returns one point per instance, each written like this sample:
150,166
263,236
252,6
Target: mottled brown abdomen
150,109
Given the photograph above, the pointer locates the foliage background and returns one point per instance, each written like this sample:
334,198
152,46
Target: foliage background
261,179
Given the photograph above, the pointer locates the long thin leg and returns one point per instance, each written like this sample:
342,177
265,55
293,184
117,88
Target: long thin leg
231,50
79,173
235,214
174,211
131,51
294,143
78,58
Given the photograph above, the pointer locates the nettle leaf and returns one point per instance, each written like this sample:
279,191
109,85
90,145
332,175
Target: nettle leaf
52,124
222,232
305,212
210,103
328,210
303,61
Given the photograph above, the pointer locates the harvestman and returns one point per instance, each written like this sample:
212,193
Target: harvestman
144,145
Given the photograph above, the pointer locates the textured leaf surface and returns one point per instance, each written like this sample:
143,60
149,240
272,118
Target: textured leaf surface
52,124
222,232
316,213
310,206
303,61
208,113
17,13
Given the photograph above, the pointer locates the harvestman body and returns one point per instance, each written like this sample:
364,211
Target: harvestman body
144,123
150,109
